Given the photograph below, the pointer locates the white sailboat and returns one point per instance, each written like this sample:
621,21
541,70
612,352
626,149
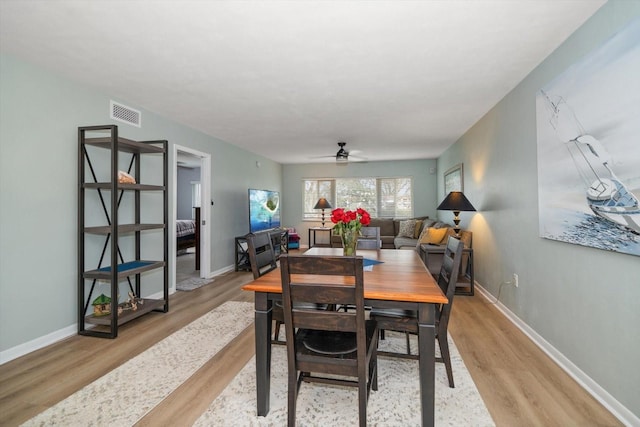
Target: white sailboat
606,195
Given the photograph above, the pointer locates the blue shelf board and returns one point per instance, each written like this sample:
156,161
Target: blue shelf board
128,266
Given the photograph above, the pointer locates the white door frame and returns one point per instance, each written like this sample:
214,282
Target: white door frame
205,209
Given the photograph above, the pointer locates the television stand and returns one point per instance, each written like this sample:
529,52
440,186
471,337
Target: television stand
279,240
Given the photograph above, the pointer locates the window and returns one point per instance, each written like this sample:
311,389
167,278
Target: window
314,190
395,197
381,197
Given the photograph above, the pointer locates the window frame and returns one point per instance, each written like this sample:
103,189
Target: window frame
316,214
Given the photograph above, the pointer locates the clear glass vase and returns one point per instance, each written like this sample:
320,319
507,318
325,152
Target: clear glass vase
349,242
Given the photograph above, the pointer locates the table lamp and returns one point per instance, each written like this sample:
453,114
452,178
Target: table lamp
456,202
322,204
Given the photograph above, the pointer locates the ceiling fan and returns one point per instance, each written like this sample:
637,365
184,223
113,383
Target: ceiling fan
342,156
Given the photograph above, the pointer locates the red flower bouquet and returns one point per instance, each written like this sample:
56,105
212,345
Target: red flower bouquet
348,225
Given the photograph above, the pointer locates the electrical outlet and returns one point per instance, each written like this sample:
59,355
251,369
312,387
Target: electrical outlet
515,280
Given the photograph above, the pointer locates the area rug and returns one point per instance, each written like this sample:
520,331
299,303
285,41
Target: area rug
192,283
126,394
396,403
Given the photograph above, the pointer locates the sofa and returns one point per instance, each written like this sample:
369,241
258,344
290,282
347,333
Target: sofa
398,233
407,233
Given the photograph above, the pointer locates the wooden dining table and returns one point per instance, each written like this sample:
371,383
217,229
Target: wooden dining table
400,281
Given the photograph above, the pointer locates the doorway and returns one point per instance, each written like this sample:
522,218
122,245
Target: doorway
191,193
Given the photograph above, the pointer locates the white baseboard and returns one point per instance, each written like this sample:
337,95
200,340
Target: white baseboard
52,338
222,271
600,394
38,343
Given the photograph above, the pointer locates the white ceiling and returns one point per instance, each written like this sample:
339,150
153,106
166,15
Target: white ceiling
289,79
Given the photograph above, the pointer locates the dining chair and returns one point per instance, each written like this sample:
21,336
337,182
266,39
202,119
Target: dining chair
327,342
370,238
407,320
262,259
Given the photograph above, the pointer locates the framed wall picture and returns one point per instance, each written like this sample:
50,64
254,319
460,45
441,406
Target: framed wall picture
588,156
453,179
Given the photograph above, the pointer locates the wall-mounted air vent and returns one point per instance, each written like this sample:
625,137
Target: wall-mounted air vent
125,114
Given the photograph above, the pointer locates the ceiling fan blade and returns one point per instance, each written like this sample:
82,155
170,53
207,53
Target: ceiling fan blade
356,158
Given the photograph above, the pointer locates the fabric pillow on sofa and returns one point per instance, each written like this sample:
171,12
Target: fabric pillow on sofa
465,237
407,228
418,228
406,239
433,236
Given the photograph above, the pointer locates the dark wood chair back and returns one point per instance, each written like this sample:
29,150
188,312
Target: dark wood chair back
369,238
450,268
447,280
262,257
407,320
323,292
327,341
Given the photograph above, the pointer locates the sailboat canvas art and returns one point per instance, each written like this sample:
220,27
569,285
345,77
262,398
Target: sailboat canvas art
588,123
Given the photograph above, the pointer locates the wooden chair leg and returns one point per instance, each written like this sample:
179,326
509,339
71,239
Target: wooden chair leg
408,343
362,401
373,370
444,352
292,396
276,333
374,373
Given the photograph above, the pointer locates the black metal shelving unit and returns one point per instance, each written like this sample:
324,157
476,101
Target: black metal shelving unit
100,143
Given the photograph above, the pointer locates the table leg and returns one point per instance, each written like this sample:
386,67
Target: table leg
263,323
427,348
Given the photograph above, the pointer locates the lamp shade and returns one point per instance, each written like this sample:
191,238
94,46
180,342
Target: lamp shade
322,204
456,201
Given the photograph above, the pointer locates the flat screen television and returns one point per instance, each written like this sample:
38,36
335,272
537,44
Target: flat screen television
264,210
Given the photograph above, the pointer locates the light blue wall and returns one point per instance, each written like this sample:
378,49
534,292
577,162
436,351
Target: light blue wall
583,301
39,116
424,187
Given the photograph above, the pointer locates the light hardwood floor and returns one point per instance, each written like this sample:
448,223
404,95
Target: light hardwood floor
520,385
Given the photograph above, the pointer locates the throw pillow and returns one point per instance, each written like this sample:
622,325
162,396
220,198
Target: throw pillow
418,228
407,228
433,235
450,232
